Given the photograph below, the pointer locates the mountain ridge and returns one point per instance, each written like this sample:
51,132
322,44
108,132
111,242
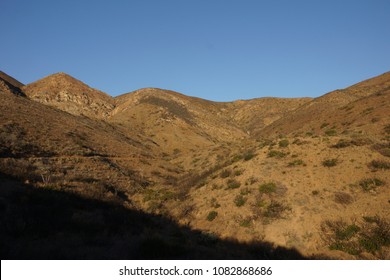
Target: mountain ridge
307,174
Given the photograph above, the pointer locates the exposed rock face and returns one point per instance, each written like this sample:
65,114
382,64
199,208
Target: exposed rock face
71,95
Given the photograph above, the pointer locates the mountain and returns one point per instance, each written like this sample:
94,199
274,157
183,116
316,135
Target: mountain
163,175
71,95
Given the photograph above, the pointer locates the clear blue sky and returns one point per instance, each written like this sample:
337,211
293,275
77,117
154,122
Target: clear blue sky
219,50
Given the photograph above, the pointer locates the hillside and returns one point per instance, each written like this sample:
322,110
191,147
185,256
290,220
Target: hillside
9,85
361,106
175,121
155,171
73,96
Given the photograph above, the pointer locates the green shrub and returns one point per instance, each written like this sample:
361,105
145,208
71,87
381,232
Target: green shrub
239,200
269,187
342,143
330,162
246,222
276,154
296,162
283,143
233,184
371,183
212,215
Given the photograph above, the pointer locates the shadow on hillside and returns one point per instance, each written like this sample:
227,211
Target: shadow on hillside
37,223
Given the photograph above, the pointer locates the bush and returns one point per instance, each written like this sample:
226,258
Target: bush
212,215
369,236
283,143
330,162
379,164
371,183
267,187
233,184
343,198
296,162
275,210
331,132
225,173
342,143
239,200
246,222
276,154
383,149
249,155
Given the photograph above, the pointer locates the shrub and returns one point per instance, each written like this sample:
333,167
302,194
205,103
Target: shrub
315,192
249,155
267,187
330,162
225,173
371,183
236,158
296,162
245,191
379,164
342,143
212,215
346,232
283,143
276,154
239,200
246,222
233,184
275,210
383,149
331,132
343,198
368,236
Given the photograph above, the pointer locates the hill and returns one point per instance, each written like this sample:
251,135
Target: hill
293,178
71,95
362,107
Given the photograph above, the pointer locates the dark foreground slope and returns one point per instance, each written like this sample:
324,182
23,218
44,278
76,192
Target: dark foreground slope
41,223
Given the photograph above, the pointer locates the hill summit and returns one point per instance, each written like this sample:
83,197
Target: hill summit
64,92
